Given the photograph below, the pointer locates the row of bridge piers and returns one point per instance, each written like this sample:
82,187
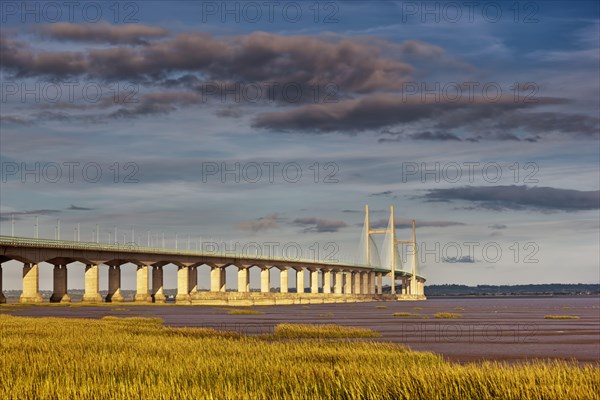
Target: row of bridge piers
326,285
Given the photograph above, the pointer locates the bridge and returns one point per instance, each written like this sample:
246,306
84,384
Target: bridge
330,281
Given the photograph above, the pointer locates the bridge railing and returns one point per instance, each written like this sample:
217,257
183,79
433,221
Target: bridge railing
134,248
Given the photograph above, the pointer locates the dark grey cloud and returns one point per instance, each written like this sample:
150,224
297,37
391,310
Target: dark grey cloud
355,65
318,225
514,197
102,32
407,223
383,111
77,208
441,136
387,193
462,259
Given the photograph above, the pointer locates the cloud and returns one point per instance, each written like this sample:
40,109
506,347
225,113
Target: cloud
441,136
270,221
77,208
387,193
102,32
519,198
318,225
497,226
363,73
353,64
17,215
378,111
157,103
462,259
407,223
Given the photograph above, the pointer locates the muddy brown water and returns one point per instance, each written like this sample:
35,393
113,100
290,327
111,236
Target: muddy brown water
511,329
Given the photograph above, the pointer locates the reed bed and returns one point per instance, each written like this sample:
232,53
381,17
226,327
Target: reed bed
447,315
139,358
407,315
321,331
244,312
561,317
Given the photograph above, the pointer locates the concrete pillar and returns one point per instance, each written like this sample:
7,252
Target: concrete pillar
314,281
193,279
2,298
300,280
327,281
215,279
364,278
243,280
283,280
183,285
158,294
265,281
413,285
142,292
31,284
91,292
223,277
371,282
379,283
338,282
404,286
114,284
347,279
356,285
59,294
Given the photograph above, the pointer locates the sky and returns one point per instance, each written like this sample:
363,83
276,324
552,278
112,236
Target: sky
270,125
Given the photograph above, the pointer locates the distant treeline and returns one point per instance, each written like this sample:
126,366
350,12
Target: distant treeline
511,290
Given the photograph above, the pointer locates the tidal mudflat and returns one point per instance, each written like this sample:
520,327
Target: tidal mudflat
460,329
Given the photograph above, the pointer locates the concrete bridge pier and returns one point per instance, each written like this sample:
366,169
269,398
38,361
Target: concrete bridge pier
91,287
193,280
114,285
338,282
365,282
356,282
283,280
142,293
217,279
314,280
379,283
59,294
31,284
300,280
158,295
327,281
372,285
2,298
347,279
265,280
243,280
183,288
420,287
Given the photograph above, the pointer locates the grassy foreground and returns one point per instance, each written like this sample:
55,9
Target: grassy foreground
135,358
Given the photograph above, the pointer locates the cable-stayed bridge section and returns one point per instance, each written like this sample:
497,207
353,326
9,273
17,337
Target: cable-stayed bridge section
329,281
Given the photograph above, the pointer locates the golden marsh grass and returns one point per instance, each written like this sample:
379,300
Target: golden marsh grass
447,315
139,358
561,317
406,315
244,312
